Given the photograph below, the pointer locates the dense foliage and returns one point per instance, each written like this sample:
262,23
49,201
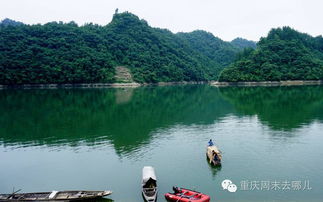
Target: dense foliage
212,47
155,54
9,22
243,43
68,53
284,54
53,53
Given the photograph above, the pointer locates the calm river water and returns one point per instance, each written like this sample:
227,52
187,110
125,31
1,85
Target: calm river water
97,139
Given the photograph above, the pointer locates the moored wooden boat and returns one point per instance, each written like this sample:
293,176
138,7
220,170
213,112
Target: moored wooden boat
186,195
214,155
54,196
149,184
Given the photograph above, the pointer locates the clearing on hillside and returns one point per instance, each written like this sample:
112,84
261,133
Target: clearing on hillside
123,75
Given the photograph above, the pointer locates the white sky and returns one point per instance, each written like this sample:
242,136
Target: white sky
226,19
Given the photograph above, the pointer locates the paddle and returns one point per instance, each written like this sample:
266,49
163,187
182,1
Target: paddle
181,196
13,193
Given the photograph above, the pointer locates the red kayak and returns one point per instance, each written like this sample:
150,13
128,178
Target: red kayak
186,195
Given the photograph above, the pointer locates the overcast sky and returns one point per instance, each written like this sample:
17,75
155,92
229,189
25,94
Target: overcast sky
226,19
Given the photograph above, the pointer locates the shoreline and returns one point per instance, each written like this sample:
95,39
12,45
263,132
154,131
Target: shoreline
267,83
94,85
66,85
135,85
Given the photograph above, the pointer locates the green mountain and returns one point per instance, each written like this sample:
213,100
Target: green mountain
155,54
285,54
54,53
9,22
243,43
68,53
210,46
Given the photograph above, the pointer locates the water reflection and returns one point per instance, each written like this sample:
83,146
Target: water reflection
214,169
281,108
123,95
127,118
100,200
99,139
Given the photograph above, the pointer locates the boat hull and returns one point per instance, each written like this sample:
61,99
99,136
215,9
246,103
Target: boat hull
151,198
149,184
209,155
55,196
186,195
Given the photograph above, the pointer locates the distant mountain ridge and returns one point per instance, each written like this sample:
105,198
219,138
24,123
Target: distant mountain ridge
9,22
68,53
243,43
212,47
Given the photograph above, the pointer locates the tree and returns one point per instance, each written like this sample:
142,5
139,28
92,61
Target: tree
284,54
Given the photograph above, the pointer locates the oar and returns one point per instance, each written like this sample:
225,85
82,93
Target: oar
13,193
181,196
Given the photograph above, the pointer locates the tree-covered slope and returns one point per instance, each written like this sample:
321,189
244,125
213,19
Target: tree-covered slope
68,53
9,22
155,54
285,54
243,43
215,48
53,53
210,46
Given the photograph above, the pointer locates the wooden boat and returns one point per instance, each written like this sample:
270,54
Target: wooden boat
149,184
186,195
214,159
54,196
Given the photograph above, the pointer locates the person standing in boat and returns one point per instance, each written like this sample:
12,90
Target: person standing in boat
210,143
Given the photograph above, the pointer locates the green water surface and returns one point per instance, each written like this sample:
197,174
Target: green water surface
98,139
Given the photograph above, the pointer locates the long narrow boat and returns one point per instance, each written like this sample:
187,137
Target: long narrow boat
149,184
55,196
186,195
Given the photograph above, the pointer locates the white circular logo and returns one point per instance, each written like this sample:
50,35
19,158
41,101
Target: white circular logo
232,188
228,185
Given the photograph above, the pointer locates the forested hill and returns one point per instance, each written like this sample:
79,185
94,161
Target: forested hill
243,43
59,52
285,54
156,54
9,22
212,47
